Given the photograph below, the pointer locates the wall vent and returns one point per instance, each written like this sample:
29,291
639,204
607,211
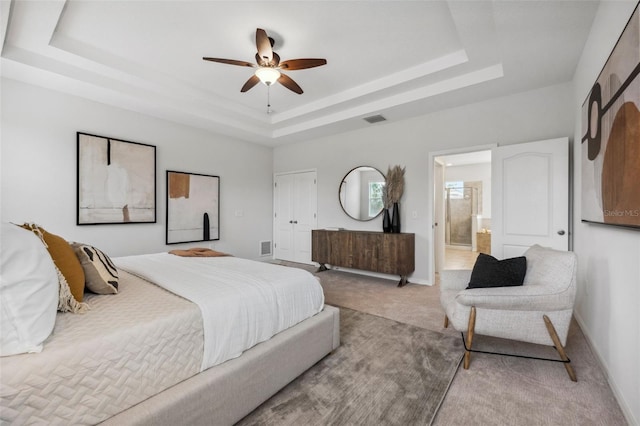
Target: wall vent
374,119
265,248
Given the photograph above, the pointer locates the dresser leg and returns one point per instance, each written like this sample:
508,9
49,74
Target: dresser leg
322,267
403,281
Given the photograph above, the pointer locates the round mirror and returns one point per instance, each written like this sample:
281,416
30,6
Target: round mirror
361,193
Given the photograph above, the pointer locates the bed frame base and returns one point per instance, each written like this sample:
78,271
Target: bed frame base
224,394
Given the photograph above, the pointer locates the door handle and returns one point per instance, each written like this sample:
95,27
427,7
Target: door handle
561,232
290,221
295,221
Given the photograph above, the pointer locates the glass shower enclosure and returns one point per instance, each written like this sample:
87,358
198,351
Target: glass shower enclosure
461,205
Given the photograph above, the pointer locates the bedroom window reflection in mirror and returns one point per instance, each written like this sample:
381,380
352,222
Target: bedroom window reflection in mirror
375,198
360,193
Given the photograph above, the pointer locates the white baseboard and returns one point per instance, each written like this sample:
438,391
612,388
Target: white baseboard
624,405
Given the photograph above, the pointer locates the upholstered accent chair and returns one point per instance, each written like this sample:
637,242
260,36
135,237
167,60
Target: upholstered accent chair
537,312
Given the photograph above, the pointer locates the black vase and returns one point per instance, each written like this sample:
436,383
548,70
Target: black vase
386,221
395,219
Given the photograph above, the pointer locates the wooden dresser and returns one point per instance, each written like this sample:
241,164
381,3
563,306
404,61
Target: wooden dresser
366,250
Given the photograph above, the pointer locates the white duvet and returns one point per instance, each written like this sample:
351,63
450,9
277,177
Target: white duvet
243,302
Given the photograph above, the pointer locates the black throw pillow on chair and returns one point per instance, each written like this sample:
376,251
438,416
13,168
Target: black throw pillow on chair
491,272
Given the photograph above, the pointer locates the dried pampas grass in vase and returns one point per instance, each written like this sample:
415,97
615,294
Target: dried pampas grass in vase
394,185
393,190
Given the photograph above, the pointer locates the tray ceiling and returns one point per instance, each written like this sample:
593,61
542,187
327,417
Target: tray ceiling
396,58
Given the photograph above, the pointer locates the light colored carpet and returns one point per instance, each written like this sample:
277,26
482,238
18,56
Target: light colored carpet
384,372
496,390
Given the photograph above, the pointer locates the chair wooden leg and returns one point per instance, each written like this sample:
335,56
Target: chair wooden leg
470,331
556,341
446,321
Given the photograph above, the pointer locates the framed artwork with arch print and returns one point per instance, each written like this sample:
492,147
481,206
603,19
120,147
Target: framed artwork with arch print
193,207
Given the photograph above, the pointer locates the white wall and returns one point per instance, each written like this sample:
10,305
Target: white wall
608,297
510,119
39,171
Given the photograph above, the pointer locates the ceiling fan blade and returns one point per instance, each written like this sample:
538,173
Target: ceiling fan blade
264,45
230,62
300,64
287,82
250,83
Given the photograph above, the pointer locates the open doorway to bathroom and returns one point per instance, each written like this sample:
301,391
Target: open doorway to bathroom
463,209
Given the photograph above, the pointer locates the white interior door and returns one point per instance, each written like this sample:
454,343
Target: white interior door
295,215
530,197
305,215
283,217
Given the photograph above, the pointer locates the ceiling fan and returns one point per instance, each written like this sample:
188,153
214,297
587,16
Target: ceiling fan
269,65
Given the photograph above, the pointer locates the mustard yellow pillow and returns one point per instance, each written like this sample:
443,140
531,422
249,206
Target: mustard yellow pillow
65,260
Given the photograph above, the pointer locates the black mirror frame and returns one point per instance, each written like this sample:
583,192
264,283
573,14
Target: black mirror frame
342,182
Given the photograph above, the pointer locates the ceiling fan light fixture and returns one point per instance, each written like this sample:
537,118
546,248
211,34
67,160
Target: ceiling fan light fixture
268,65
268,75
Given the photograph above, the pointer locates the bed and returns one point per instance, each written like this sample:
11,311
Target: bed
149,356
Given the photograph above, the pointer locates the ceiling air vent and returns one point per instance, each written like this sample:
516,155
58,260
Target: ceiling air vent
374,119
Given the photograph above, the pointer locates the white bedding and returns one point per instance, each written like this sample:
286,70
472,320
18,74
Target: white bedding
242,302
127,348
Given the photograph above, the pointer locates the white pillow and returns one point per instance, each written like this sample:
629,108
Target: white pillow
28,291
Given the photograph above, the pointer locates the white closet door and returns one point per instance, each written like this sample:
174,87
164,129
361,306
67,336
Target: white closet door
295,215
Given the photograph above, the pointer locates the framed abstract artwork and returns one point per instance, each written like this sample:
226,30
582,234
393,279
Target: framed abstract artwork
193,207
611,136
116,181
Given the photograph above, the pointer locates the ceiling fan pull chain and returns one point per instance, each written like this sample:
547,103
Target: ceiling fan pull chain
268,99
